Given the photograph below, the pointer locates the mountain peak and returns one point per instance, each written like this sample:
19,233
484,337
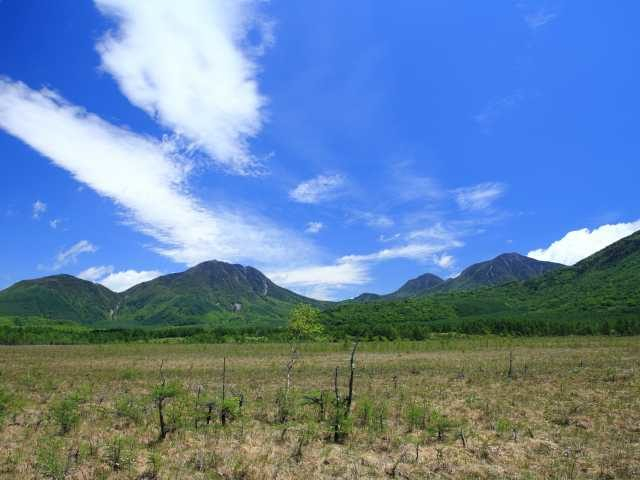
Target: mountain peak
417,286
505,268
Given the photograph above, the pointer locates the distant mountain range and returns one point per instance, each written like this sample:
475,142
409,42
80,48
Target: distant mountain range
508,267
217,293
599,294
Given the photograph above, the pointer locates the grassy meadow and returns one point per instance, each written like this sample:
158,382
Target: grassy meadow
448,407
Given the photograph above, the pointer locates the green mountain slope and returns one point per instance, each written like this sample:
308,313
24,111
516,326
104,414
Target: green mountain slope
59,298
505,268
209,292
416,287
599,294
212,293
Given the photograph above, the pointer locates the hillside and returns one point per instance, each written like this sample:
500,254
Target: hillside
213,293
599,294
505,268
59,298
412,288
416,287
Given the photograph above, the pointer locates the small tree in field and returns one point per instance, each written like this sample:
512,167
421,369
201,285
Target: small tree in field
304,322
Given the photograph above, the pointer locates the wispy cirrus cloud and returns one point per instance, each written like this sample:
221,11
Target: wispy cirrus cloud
319,189
497,109
208,92
540,18
411,251
479,197
71,254
580,244
537,15
38,209
146,178
314,227
371,219
326,281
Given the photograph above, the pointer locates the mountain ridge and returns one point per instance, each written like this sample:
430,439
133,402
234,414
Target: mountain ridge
598,295
504,268
210,292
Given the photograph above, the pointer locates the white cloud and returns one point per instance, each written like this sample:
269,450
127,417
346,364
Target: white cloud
117,281
190,65
579,244
343,273
479,197
144,177
121,281
540,18
322,281
55,223
374,220
318,189
390,238
411,251
444,260
93,274
498,108
436,232
71,254
314,227
536,16
38,209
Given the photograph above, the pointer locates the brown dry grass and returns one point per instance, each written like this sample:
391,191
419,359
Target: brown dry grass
571,410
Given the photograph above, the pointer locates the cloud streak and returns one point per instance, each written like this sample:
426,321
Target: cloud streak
496,109
191,67
479,197
146,178
319,189
71,254
323,281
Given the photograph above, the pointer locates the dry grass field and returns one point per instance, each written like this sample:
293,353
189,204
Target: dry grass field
446,408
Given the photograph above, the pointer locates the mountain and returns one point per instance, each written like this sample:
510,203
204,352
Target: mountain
416,286
211,290
505,268
60,298
365,297
214,293
600,294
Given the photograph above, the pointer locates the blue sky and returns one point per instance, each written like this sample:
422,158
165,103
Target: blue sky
340,147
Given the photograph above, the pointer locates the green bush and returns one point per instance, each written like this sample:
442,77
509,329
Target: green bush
126,407
439,425
65,413
415,416
51,461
